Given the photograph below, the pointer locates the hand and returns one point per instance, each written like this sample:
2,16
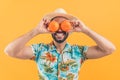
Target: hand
78,26
42,26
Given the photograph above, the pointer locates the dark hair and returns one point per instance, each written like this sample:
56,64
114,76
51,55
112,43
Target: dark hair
58,17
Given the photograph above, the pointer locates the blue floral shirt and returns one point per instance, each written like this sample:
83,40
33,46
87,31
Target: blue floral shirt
53,65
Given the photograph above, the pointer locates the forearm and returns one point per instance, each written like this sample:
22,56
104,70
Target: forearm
19,43
102,43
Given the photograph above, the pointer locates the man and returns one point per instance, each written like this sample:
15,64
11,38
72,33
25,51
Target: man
59,60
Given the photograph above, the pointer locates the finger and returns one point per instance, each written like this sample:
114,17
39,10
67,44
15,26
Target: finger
79,24
50,32
43,19
71,23
72,30
48,21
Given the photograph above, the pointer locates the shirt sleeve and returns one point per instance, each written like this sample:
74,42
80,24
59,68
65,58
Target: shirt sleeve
83,50
36,48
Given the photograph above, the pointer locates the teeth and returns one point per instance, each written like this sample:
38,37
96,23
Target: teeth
59,34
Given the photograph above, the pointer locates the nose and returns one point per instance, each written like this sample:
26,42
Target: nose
59,30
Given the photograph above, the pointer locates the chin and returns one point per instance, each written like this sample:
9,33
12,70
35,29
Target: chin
60,41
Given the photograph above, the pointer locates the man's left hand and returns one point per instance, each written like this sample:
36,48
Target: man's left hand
78,26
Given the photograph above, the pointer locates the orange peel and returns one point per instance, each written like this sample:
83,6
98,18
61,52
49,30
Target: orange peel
66,25
53,26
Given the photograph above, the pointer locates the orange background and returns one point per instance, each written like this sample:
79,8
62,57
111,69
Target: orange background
17,17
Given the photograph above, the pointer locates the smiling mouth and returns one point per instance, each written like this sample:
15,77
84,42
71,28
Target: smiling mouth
60,33
60,36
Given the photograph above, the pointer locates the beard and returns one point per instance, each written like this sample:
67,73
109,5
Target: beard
60,37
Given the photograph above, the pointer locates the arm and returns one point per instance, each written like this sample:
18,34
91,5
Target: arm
18,48
104,47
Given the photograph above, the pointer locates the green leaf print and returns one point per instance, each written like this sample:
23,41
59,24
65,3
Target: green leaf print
64,67
70,76
48,69
41,77
81,48
74,65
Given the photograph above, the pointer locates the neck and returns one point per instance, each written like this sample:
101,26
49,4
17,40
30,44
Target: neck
60,46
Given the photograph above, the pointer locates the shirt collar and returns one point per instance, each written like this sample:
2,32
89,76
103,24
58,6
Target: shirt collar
67,47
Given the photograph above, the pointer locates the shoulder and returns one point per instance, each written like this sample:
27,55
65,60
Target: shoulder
81,48
77,46
39,46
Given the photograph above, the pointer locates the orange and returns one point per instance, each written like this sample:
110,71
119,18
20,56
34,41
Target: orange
53,26
66,25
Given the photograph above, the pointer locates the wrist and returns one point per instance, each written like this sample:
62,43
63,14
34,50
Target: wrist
35,32
86,30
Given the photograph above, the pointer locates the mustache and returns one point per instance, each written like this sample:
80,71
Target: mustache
60,32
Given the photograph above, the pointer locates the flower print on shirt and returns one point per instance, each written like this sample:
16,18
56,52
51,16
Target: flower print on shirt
49,58
55,66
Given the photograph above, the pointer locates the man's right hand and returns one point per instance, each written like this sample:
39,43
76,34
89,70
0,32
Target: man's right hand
18,49
42,26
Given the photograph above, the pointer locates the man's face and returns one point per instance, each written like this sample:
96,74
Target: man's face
60,36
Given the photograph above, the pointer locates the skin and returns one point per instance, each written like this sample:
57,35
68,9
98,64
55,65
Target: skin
60,36
18,48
